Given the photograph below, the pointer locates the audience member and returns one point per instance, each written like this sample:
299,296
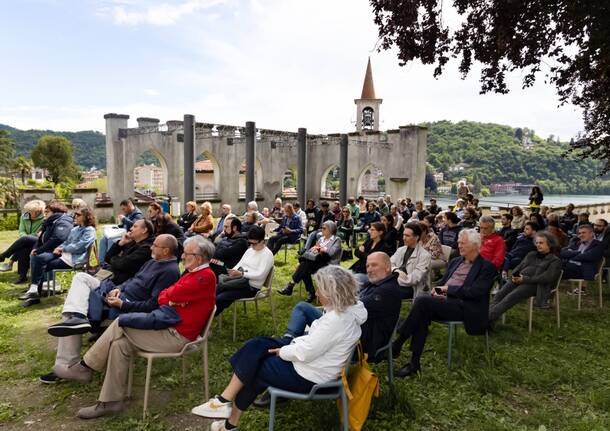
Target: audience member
89,301
249,222
523,245
420,212
449,234
225,214
277,212
391,235
252,207
430,243
462,190
312,212
188,218
507,232
536,275
354,208
519,219
581,259
192,297
463,296
336,210
535,199
398,221
345,225
459,208
568,219
288,232
230,249
248,275
493,247
375,242
367,218
326,251
204,224
469,218
602,234
129,214
433,208
583,219
299,211
71,252
294,364
382,207
30,224
553,228
412,263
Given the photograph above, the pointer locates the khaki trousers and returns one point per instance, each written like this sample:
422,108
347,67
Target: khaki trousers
113,350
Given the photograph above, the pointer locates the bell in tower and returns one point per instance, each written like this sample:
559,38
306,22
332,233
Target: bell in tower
367,107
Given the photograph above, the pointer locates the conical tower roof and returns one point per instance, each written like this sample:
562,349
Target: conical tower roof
368,88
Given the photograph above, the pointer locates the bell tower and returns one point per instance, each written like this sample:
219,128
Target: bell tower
367,107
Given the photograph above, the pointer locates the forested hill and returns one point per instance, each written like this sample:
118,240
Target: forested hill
89,146
497,153
492,152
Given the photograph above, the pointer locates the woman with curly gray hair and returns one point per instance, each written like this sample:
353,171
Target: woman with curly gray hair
294,364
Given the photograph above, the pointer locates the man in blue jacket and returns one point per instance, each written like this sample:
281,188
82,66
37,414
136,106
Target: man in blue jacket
463,295
289,230
130,214
88,300
581,259
523,245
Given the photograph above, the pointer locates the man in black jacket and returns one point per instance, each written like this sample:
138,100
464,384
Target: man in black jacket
85,297
581,259
230,249
126,257
382,300
523,245
507,232
462,295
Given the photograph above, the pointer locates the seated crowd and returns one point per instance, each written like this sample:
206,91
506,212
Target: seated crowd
139,300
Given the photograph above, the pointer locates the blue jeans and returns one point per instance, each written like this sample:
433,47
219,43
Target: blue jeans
258,369
227,297
312,239
38,264
303,314
105,244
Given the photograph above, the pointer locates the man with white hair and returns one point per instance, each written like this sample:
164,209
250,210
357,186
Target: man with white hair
225,214
252,207
462,295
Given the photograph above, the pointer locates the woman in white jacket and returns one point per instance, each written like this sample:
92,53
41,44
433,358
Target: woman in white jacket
294,364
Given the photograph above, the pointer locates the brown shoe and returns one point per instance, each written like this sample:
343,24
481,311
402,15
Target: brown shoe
76,372
100,409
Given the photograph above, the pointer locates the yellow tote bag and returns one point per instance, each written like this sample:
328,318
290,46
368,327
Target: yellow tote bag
360,386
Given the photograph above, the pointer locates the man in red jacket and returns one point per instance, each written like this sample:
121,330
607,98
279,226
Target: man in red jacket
193,296
493,247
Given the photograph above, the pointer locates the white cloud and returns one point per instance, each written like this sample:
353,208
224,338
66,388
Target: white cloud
151,92
161,14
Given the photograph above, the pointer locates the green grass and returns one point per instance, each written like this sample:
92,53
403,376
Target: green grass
552,379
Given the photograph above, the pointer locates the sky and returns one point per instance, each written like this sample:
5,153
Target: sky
284,64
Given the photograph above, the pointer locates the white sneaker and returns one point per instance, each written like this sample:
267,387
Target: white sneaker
214,409
220,426
6,267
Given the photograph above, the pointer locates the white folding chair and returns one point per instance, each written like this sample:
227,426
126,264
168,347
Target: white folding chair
265,291
598,277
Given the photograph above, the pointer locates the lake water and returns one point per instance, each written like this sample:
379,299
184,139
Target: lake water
522,200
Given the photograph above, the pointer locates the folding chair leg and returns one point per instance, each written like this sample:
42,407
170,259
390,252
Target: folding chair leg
557,308
486,341
272,412
600,291
579,293
449,345
391,368
272,311
344,409
255,307
206,377
285,252
530,314
504,318
147,387
234,320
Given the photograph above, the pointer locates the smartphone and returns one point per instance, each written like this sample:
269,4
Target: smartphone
438,290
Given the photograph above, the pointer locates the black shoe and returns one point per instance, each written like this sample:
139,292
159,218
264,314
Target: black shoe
28,295
49,379
71,326
21,280
31,301
311,297
264,401
383,356
287,290
407,371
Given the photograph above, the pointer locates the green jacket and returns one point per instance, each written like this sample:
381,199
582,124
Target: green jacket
30,227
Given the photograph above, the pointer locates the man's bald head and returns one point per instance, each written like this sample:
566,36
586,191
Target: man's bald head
378,266
164,246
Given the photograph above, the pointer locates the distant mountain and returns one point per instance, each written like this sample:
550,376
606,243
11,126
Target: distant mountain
89,146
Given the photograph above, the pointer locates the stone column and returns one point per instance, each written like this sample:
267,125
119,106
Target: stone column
343,170
189,158
302,166
115,156
250,161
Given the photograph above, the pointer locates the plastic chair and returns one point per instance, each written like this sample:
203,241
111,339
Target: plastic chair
530,313
390,358
446,252
92,250
598,277
452,324
193,346
323,391
265,292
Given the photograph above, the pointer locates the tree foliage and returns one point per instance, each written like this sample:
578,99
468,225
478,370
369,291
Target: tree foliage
569,39
7,149
24,167
492,155
55,154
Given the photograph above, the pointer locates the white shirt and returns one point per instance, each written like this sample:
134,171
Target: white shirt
320,355
256,265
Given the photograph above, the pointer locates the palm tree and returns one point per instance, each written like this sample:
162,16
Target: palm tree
24,166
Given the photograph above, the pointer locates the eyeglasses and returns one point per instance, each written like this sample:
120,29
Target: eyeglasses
191,254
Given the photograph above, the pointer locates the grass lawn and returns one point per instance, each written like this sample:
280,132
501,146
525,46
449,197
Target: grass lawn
553,379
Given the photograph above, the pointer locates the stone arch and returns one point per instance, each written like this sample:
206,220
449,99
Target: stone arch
147,176
258,178
326,186
289,182
368,188
207,176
